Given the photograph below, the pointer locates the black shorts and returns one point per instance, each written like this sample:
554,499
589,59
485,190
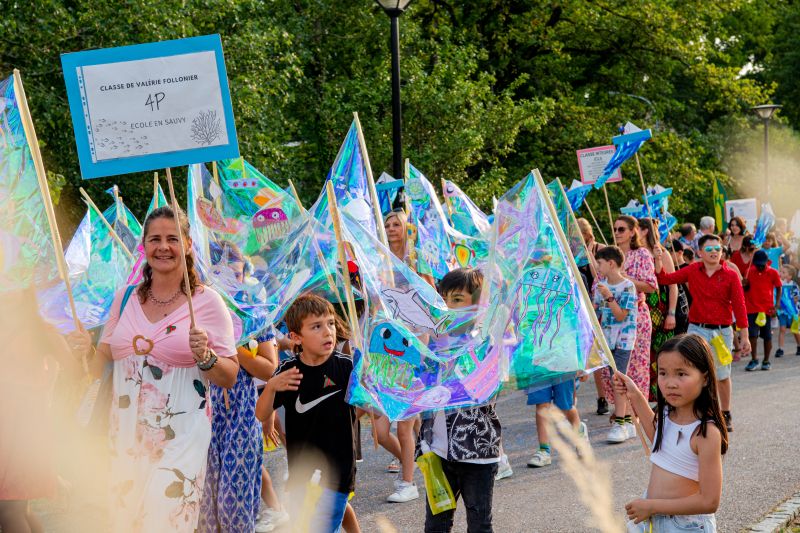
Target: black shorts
754,330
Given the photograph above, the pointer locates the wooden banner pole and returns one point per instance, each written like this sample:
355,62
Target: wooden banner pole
596,225
41,176
175,210
599,337
114,235
608,207
373,193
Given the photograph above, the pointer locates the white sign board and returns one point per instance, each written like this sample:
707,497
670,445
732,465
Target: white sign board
745,208
150,106
592,161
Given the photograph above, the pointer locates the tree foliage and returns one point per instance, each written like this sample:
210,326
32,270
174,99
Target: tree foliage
490,89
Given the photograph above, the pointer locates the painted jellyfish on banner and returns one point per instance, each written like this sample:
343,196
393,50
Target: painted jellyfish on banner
530,277
532,323
763,225
417,355
243,217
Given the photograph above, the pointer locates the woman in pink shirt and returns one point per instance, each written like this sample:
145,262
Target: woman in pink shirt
160,419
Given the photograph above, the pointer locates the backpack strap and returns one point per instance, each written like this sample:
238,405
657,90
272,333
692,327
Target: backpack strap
128,291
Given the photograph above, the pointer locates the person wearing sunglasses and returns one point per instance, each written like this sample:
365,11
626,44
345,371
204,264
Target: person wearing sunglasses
717,295
737,230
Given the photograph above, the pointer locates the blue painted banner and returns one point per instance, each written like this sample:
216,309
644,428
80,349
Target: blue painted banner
150,106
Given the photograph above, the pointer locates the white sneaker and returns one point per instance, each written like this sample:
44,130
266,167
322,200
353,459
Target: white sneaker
583,431
270,520
404,492
503,469
631,429
617,434
540,458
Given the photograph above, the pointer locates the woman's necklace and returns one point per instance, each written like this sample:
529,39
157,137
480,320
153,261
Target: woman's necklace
162,303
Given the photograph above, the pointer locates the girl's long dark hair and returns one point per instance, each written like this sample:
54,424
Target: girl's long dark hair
652,238
147,271
699,354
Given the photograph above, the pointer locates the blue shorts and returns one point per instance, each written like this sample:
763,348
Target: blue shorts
784,320
328,513
562,395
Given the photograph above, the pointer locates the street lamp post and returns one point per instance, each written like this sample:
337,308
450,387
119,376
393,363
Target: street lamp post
765,112
395,8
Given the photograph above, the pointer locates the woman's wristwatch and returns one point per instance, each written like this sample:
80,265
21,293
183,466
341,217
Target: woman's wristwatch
209,361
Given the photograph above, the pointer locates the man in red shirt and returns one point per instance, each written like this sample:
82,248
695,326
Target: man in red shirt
717,297
759,297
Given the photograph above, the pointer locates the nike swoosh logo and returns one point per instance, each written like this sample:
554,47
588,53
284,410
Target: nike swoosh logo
303,407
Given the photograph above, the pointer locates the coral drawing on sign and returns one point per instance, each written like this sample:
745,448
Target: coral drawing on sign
206,128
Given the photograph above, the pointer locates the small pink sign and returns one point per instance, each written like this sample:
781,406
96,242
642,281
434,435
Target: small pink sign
592,161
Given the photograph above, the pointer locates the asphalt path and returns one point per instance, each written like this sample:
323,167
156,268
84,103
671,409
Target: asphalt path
761,468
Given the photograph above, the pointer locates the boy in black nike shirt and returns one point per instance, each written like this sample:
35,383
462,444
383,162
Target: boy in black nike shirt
320,425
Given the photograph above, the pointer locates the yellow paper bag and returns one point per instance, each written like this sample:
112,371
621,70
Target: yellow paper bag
796,325
440,495
761,319
723,353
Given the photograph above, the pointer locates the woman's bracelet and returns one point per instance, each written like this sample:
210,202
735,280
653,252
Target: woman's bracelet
209,361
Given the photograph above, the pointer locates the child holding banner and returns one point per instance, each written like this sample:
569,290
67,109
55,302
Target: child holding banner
466,440
787,310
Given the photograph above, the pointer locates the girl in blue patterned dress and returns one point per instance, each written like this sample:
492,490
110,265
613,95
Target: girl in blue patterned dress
232,494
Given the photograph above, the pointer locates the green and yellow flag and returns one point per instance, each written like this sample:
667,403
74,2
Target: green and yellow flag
719,199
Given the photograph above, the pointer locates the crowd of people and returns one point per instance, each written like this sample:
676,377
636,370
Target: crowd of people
190,413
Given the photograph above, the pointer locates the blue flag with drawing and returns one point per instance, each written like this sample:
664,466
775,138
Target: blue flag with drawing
350,184
387,188
415,354
627,145
577,195
763,225
658,199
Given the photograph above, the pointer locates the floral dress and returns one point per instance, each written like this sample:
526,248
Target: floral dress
160,418
232,495
638,266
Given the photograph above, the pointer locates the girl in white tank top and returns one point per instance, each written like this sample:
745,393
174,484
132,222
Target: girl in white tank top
689,439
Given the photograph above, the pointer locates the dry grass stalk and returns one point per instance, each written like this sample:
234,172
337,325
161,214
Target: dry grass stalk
591,477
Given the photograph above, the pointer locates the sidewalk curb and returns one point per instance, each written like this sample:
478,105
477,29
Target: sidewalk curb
779,517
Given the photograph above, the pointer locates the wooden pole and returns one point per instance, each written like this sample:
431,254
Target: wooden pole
175,210
329,278
155,187
215,175
572,220
41,176
644,188
353,317
446,199
599,337
373,193
600,231
114,235
608,207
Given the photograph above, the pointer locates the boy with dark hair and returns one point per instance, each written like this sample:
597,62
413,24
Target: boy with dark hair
786,314
717,296
467,440
320,425
615,302
760,299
